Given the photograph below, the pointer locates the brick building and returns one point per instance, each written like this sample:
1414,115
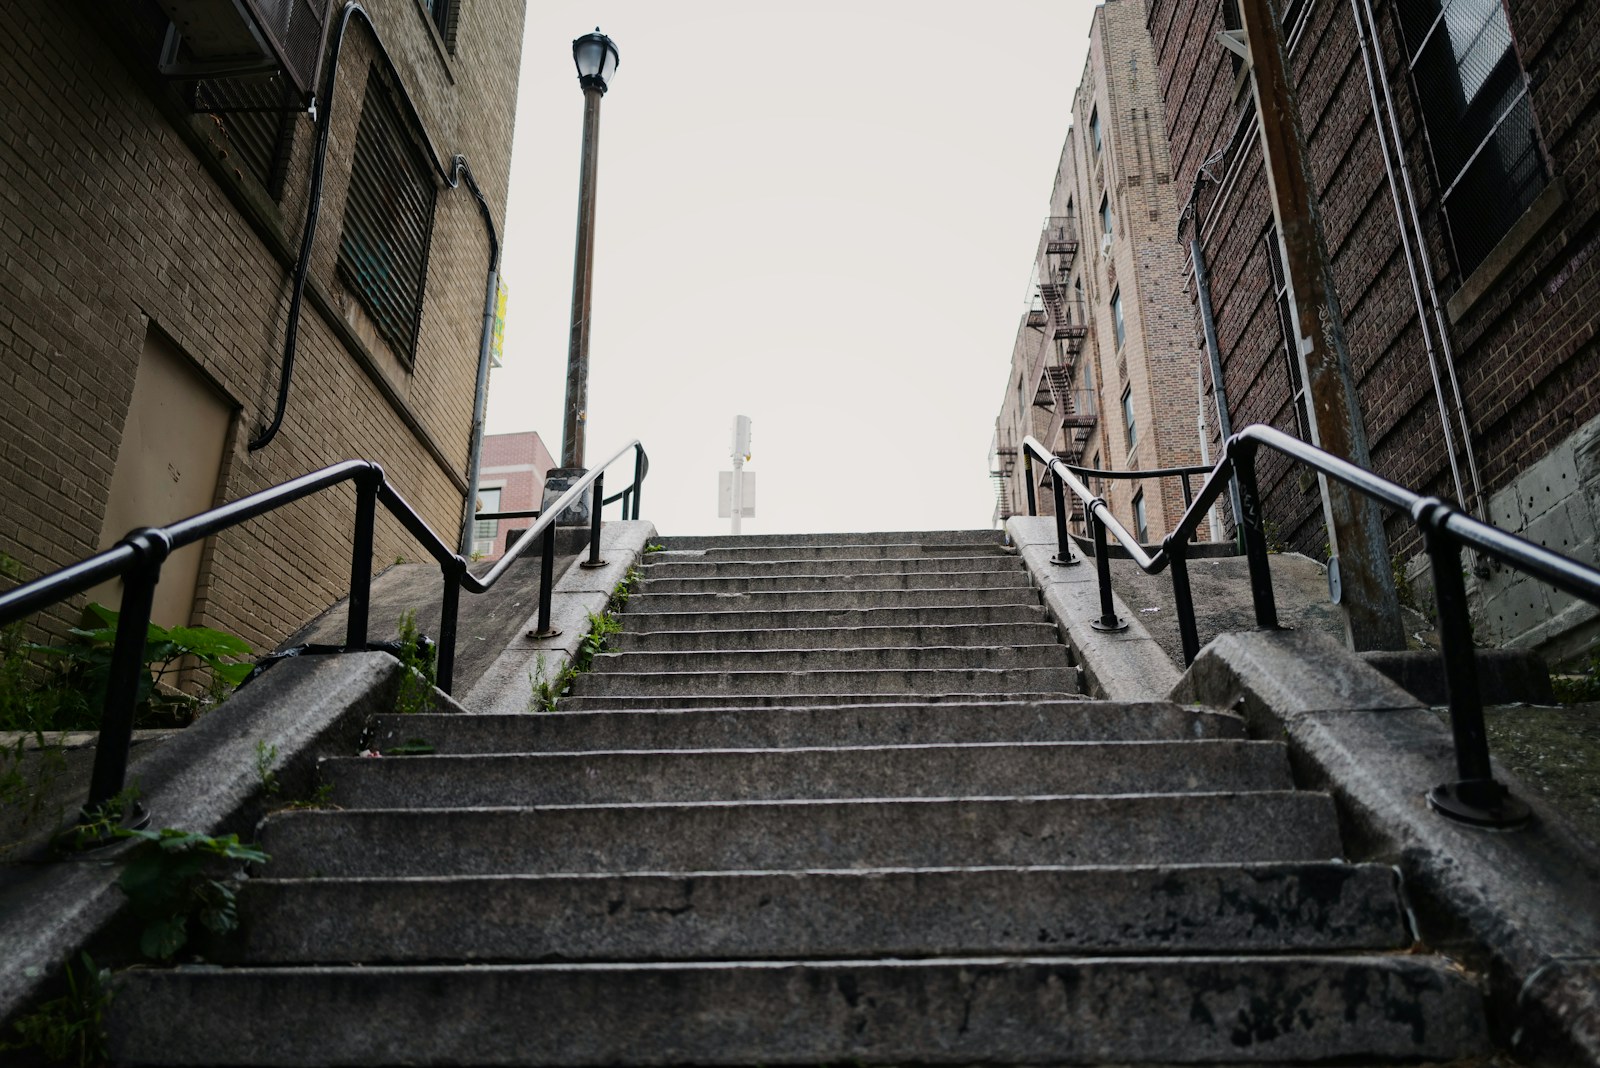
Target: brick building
512,480
1104,352
157,180
1452,149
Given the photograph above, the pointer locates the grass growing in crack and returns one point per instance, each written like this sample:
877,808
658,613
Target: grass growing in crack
69,1029
420,667
545,690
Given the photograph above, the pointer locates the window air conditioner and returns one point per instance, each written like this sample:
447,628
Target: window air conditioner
230,38
1105,245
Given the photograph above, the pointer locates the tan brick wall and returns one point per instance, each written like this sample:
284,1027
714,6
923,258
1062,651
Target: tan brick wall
1145,266
120,216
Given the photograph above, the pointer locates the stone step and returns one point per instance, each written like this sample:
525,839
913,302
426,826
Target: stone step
642,617
777,581
824,682
635,704
892,658
859,551
678,565
1172,910
684,775
771,728
991,1010
985,634
925,540
1073,831
772,601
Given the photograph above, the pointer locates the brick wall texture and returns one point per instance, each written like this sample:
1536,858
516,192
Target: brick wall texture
123,214
1155,362
1525,353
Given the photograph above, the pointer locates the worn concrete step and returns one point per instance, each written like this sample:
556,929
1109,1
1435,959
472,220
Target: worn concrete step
787,835
829,681
642,617
890,658
990,1010
635,704
777,581
926,540
985,634
1171,910
674,775
677,566
892,551
772,728
765,601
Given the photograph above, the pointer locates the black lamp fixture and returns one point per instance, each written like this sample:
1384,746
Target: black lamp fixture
596,57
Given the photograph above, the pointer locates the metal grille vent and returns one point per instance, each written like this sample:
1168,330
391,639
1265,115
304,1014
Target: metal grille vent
388,220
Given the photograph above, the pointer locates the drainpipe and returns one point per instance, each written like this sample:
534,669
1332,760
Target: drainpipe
1205,445
1367,29
1369,46
460,170
1208,323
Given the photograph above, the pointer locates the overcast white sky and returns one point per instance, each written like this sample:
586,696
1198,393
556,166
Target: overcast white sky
819,215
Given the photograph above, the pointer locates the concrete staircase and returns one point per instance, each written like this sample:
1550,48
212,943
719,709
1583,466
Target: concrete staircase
835,798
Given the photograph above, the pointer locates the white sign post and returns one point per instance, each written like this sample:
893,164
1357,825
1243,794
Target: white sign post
736,489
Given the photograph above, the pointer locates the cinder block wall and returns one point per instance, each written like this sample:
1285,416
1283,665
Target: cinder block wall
124,214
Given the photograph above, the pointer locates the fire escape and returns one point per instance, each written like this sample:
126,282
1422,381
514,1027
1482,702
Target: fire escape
1062,315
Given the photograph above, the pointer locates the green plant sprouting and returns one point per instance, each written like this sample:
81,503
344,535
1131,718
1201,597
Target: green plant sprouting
266,757
655,547
69,1029
420,667
545,690
180,877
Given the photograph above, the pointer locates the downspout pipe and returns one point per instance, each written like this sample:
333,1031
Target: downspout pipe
1367,30
461,171
323,117
1368,50
1208,324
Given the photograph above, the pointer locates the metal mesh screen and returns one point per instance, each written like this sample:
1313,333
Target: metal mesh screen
1479,120
388,219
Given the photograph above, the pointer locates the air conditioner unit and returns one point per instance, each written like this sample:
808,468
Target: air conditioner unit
1105,245
232,38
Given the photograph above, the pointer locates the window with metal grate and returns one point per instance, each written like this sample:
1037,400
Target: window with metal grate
388,220
251,115
446,16
1477,118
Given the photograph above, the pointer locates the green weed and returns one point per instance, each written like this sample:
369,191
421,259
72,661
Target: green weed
69,1029
417,658
179,878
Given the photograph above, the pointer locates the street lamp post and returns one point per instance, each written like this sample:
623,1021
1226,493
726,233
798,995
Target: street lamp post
595,55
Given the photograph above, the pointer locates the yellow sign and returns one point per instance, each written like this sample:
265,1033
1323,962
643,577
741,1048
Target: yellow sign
497,338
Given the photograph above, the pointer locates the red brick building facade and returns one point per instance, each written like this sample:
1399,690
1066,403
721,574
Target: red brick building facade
514,466
154,202
1452,147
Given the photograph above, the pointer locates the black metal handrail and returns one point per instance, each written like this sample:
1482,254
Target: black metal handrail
138,557
1475,797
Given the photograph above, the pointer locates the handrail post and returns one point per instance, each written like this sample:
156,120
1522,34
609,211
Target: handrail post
1255,540
122,677
1027,480
450,607
1476,797
360,603
597,495
1063,556
1108,621
638,480
547,566
1183,598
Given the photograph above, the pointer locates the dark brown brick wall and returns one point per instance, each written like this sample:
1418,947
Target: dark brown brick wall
1525,354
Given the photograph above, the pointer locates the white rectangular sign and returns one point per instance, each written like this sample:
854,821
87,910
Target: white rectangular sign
725,495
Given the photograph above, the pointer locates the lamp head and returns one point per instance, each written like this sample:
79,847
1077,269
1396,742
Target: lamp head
596,57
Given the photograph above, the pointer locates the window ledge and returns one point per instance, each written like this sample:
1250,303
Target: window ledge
436,38
1504,254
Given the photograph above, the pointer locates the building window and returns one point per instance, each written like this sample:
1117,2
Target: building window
249,116
1286,332
1094,128
1130,429
388,220
1106,224
1141,527
485,531
1117,324
1477,117
445,14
